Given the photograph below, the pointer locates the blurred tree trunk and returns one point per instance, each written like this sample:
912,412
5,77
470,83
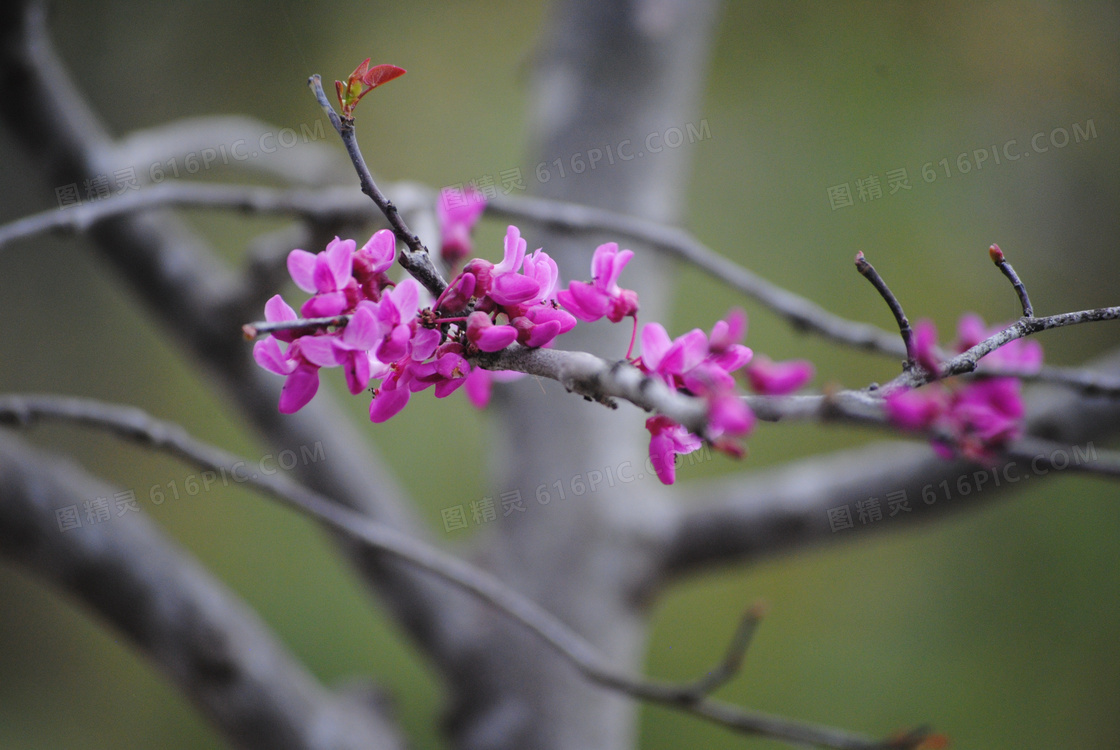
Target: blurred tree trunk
608,75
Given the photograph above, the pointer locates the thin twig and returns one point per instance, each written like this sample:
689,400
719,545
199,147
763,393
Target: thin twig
136,425
802,313
1001,263
868,271
968,360
862,408
417,261
732,662
324,205
300,325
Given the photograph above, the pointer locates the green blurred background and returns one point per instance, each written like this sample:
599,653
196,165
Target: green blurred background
999,627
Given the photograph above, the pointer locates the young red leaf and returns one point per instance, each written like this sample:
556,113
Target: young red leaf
380,74
360,70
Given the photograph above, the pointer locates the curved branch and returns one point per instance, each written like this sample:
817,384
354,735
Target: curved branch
133,424
238,141
802,313
213,647
189,290
741,518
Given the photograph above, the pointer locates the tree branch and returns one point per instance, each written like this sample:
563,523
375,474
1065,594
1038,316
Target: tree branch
417,260
213,647
802,313
193,294
135,425
742,518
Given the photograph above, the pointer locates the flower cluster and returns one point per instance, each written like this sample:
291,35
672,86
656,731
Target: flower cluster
975,418
702,365
392,335
379,331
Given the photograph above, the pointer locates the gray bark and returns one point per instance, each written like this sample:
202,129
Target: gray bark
609,72
210,645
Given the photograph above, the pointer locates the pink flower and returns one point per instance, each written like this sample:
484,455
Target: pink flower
667,439
352,345
668,358
728,414
393,314
915,409
1022,355
701,366
301,377
327,275
975,419
488,337
778,378
387,403
924,346
507,286
603,296
458,211
371,262
479,384
458,293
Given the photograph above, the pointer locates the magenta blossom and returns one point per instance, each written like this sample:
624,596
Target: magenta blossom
507,285
394,313
667,439
372,261
301,376
778,378
458,211
328,276
1022,355
603,296
488,337
700,366
976,418
923,346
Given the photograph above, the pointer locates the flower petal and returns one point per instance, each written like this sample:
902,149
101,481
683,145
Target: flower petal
778,378
267,354
301,266
513,289
299,388
387,404
319,350
655,343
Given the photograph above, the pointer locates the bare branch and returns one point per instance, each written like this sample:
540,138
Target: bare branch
1088,381
736,651
134,424
868,271
207,642
235,140
417,261
193,294
746,517
802,313
966,362
327,205
1006,269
